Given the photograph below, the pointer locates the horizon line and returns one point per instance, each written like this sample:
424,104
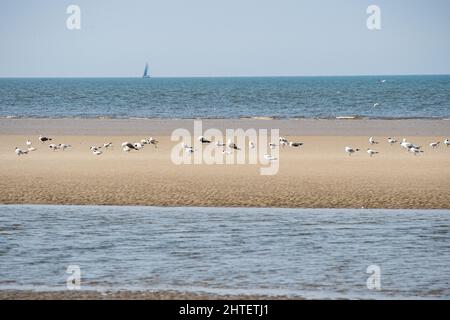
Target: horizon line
226,76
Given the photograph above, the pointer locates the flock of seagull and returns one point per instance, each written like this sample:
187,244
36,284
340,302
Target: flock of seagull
410,147
227,148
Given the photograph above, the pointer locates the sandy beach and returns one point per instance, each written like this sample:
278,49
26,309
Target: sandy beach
319,174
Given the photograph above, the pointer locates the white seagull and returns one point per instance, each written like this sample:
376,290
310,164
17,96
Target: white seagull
53,146
270,158
96,152
220,144
446,142
415,150
187,148
372,141
31,149
435,144
107,145
392,141
28,143
350,150
20,152
371,152
64,146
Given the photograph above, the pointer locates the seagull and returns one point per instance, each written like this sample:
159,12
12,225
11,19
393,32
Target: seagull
272,146
28,143
153,141
269,157
434,145
145,141
376,104
372,141
126,148
232,145
295,144
53,146
415,150
96,152
372,152
220,144
20,152
447,143
203,140
392,141
407,145
107,145
138,146
187,148
350,150
31,149
93,148
129,145
284,140
64,146
224,151
251,145
44,139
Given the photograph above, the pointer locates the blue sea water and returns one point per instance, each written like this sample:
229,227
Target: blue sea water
278,97
310,253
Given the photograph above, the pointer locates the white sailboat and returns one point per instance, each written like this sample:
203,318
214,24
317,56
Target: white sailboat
146,75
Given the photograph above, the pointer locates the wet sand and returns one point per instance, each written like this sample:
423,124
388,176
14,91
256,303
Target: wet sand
319,174
126,295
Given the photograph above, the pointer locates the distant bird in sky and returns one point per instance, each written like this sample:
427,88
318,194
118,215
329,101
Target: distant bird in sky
350,150
372,152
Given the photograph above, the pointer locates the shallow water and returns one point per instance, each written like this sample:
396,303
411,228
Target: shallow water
312,253
280,97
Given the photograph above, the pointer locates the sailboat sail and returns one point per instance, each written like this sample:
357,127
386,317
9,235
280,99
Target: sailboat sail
146,75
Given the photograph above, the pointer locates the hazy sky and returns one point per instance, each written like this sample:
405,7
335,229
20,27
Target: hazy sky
223,38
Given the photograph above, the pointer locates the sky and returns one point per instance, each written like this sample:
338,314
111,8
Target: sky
183,38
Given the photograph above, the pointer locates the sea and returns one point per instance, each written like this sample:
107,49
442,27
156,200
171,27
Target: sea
307,253
385,97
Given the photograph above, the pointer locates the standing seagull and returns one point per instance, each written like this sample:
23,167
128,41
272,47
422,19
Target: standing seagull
20,152
96,152
153,141
44,139
202,139
392,141
371,152
28,143
415,150
295,144
107,145
220,144
372,141
434,145
447,143
350,151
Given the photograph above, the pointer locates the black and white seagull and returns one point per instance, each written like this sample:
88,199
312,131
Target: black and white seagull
447,142
372,152
372,141
202,139
350,150
295,144
44,139
392,141
434,145
20,152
